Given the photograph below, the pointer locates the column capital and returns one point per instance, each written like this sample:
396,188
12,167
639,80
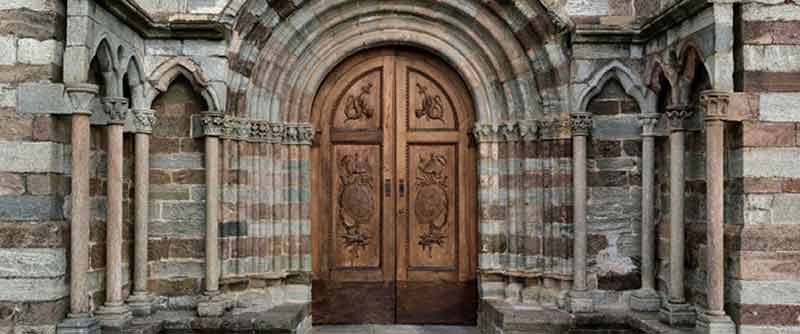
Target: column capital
677,114
648,122
143,120
299,134
729,106
581,123
116,108
213,124
81,96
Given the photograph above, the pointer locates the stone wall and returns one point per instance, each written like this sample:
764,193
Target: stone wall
614,211
177,195
763,246
34,181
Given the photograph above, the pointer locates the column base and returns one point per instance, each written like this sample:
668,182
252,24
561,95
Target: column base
113,315
714,324
580,302
141,304
78,324
677,314
645,300
214,306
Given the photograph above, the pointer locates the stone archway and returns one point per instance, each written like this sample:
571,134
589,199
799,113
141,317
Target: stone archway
394,198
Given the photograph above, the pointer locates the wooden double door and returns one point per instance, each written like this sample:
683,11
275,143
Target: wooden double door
394,193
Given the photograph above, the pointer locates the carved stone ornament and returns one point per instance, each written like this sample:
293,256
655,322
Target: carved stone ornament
506,132
716,104
299,134
432,106
357,107
356,202
116,108
581,123
431,204
144,120
81,96
213,124
649,122
678,114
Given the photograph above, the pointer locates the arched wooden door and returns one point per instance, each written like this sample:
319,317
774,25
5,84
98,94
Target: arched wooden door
394,193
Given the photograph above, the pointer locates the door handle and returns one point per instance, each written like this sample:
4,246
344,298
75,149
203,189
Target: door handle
387,187
402,188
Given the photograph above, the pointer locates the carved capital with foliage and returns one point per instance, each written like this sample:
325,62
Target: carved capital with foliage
649,122
677,114
143,120
581,123
299,134
81,96
213,124
116,108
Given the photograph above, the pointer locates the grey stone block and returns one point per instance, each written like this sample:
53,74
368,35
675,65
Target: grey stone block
714,325
184,228
677,315
33,262
32,157
616,128
78,325
176,161
34,289
24,208
186,211
42,98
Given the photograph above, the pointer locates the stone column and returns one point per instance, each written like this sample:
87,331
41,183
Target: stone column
714,320
140,299
214,305
647,299
79,320
580,296
114,313
676,311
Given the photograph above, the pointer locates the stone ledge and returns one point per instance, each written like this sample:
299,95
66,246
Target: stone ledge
286,318
497,315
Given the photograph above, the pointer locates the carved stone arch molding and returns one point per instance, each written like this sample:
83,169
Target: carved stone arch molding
631,83
276,76
168,71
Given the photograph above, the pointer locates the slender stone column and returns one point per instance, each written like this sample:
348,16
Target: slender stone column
676,311
212,129
714,320
140,299
580,296
114,313
647,299
79,319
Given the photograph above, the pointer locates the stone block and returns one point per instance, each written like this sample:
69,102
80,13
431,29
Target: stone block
38,5
34,290
8,96
42,98
8,48
770,162
204,48
184,228
779,107
32,157
714,325
35,52
185,211
587,7
78,325
26,208
32,262
11,184
764,292
160,47
176,161
616,128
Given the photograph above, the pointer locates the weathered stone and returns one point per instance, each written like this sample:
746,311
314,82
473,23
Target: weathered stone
33,263
8,48
11,184
24,208
779,107
27,157
34,290
31,51
33,234
42,98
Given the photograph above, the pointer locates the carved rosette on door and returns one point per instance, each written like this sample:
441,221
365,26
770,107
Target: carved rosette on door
431,203
356,204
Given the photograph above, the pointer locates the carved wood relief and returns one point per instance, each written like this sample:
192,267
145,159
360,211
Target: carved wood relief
429,106
358,104
357,202
432,205
357,107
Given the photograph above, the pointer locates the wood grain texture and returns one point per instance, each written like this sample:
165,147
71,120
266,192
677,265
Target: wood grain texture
394,197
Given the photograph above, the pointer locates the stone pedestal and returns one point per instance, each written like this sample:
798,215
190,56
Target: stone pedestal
78,324
141,304
214,306
714,324
645,300
580,301
114,315
677,314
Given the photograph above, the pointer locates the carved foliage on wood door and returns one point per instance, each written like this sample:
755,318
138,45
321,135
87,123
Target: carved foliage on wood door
429,106
431,203
356,205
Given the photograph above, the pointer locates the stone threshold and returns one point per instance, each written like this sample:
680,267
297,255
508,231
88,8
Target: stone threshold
290,318
500,317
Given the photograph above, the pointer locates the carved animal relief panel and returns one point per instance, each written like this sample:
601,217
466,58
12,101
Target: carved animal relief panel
428,105
359,106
